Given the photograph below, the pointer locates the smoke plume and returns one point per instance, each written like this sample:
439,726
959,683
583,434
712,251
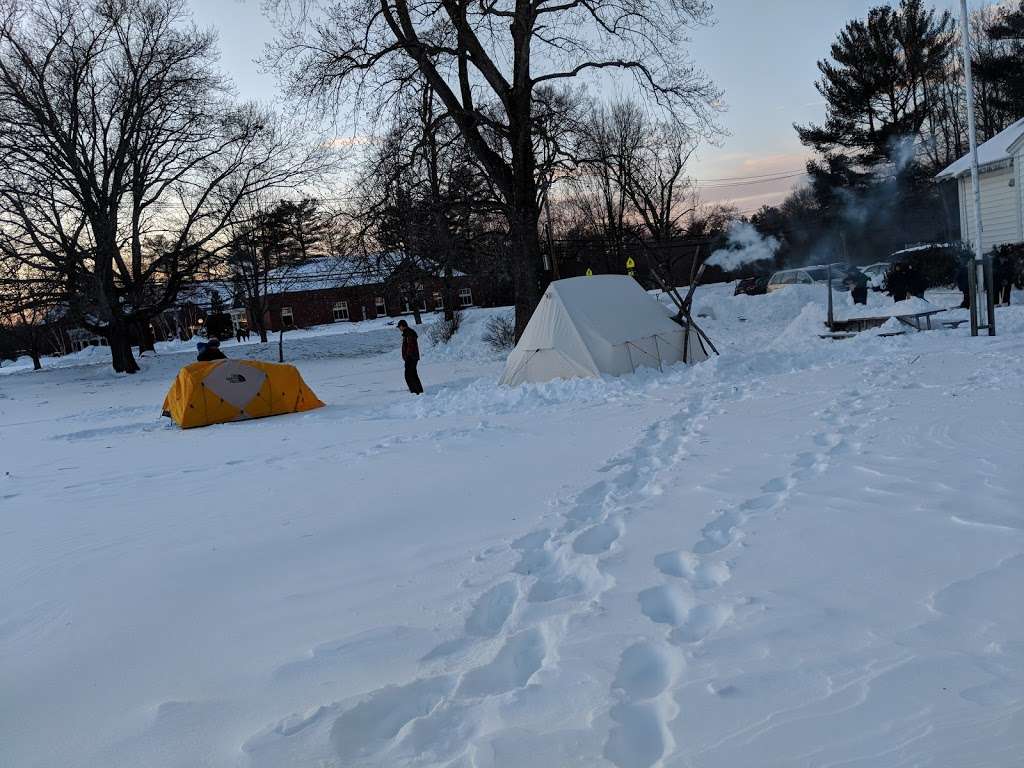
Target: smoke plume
745,246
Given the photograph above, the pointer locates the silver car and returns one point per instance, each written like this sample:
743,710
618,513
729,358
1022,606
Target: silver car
817,274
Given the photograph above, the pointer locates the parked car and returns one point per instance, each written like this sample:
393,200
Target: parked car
809,276
876,274
751,286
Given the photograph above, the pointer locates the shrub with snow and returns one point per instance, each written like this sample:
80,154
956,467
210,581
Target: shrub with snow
500,332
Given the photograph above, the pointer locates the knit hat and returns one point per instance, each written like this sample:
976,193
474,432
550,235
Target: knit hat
214,342
200,346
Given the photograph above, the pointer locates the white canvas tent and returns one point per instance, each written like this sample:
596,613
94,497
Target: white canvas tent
588,326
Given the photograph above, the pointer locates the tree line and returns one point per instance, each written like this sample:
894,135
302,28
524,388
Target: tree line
128,171
896,115
127,168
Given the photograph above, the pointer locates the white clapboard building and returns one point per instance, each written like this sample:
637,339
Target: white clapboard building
1001,172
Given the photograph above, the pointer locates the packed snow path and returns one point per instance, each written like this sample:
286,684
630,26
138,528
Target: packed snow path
802,553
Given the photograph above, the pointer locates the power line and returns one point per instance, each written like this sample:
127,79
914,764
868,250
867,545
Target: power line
757,176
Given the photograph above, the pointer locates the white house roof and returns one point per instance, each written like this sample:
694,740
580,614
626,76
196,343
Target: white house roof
993,152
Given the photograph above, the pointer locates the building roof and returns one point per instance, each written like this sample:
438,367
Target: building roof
325,272
328,272
993,152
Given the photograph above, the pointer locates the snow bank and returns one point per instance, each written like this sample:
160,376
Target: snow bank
468,343
725,564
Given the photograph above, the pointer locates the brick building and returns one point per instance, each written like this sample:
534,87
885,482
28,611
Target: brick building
335,289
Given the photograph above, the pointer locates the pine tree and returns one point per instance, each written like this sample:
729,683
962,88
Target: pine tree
875,86
1003,68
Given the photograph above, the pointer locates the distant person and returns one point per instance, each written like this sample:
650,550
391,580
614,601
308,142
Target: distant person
896,282
411,356
917,283
1002,278
857,282
209,350
963,283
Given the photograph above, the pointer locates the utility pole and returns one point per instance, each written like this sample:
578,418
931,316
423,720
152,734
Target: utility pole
551,241
981,276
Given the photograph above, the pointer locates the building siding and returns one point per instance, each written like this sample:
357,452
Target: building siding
1018,167
1000,207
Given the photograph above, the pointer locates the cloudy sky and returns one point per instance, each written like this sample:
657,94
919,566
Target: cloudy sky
762,53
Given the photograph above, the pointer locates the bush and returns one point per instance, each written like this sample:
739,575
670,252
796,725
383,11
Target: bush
1010,259
936,265
500,332
442,333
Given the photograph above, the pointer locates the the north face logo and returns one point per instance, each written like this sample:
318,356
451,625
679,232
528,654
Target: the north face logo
235,378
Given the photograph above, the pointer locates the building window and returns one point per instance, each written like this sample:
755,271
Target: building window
465,297
287,318
438,301
381,307
340,311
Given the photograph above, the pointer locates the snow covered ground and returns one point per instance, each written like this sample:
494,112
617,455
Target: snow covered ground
803,553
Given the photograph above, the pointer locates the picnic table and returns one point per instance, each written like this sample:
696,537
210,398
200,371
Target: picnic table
920,321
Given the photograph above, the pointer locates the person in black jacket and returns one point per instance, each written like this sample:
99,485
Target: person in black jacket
857,282
963,283
896,282
209,350
411,356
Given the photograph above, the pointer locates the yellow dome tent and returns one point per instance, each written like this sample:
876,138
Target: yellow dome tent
233,390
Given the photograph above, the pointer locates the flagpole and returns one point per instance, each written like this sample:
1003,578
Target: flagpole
965,35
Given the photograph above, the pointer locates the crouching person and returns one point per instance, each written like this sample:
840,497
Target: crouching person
209,350
411,356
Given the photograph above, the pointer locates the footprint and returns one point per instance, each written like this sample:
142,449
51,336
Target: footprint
777,485
547,590
532,555
371,724
534,540
639,739
646,670
516,662
492,610
719,533
597,539
765,501
700,622
686,565
664,605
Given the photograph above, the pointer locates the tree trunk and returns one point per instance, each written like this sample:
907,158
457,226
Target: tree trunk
280,345
121,349
36,362
449,303
526,272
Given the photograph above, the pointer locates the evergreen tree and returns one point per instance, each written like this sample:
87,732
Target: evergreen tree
876,87
1003,66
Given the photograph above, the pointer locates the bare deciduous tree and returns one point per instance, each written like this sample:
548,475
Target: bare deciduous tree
486,63
122,159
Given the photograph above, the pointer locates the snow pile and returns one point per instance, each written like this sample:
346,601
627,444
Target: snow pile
885,308
468,343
